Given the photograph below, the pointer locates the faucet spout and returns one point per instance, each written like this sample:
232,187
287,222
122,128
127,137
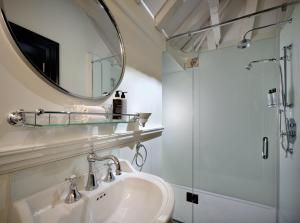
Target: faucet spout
92,158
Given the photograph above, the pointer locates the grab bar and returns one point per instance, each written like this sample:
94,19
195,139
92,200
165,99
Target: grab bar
265,148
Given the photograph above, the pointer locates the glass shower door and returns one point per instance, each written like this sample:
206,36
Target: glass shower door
177,152
231,123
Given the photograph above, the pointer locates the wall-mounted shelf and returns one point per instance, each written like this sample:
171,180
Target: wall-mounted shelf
43,118
19,157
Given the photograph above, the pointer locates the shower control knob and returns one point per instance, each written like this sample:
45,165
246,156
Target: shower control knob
292,125
292,130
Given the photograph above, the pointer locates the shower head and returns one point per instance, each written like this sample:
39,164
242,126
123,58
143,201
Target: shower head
244,43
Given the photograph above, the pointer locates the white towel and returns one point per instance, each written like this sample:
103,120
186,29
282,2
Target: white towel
95,118
94,109
81,118
43,119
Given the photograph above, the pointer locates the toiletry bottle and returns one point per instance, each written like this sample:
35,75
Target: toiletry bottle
272,100
124,104
117,106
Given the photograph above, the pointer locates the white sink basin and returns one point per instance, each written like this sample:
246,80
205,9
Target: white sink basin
133,197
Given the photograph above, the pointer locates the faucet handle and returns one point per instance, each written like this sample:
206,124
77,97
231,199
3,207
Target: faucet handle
109,165
73,194
72,179
109,175
91,156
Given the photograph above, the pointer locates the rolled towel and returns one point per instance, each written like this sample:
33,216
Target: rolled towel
81,118
78,118
94,109
43,119
95,118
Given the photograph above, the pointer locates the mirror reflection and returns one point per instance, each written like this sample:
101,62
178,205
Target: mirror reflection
74,44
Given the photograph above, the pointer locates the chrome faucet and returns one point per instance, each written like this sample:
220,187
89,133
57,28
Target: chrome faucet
92,183
73,194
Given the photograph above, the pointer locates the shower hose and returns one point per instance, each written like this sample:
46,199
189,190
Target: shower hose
138,157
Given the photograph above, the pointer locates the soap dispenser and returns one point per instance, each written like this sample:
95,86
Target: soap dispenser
124,104
117,106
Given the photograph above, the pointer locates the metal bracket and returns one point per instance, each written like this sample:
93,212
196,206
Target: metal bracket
16,118
191,63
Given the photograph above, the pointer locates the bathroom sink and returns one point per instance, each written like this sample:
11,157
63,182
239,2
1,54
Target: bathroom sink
132,197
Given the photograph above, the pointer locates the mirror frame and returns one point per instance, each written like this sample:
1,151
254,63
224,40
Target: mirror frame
35,70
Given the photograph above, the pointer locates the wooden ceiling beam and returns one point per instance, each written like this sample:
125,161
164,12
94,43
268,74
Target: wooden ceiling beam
214,6
200,42
214,37
166,11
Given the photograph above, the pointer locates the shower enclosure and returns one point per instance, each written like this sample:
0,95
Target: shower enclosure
102,84
222,142
213,145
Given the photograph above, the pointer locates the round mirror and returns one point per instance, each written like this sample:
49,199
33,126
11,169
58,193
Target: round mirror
75,45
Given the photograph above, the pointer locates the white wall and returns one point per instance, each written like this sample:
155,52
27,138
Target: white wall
289,183
21,88
226,106
63,22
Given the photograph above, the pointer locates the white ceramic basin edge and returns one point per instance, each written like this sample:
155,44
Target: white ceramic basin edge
133,197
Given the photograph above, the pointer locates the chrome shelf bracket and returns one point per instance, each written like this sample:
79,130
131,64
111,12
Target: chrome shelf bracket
16,118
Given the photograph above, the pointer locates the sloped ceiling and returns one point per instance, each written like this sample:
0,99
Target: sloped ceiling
173,17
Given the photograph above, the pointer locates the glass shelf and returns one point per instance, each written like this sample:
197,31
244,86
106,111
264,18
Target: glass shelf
42,118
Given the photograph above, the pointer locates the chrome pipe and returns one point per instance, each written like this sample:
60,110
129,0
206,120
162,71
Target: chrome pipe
250,65
245,43
38,112
266,26
230,21
285,55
